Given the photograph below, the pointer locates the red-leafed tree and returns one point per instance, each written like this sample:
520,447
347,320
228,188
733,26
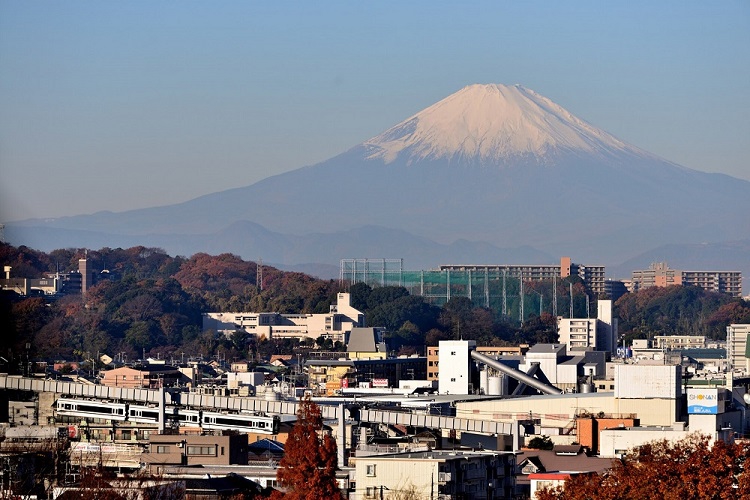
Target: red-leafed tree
692,468
308,469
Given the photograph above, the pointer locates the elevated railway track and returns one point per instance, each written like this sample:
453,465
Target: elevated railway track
172,398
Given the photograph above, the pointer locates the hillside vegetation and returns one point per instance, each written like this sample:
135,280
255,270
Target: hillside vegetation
151,303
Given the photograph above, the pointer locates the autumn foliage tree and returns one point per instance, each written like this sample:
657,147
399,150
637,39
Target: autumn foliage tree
308,469
692,468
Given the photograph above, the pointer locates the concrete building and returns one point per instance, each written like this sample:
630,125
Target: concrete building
455,367
437,474
330,376
737,347
679,341
593,276
336,324
180,449
598,334
661,275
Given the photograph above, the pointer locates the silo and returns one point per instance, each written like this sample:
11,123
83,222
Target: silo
495,386
483,384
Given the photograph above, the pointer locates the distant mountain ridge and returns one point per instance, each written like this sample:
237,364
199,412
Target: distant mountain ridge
491,163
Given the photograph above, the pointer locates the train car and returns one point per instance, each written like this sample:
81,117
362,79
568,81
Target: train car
143,414
186,418
241,422
91,409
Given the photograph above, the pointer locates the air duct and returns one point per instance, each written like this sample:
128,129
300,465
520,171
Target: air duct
518,375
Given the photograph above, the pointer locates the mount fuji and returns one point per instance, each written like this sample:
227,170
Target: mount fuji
490,173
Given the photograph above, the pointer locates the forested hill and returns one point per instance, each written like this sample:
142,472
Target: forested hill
150,301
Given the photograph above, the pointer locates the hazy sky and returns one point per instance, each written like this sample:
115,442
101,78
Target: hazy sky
130,104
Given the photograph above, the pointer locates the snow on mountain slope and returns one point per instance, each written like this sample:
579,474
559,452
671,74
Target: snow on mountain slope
487,123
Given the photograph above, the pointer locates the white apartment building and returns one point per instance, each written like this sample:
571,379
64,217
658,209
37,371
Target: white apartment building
679,341
737,344
598,334
436,474
336,324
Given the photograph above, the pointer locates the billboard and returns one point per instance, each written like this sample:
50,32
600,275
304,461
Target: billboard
703,401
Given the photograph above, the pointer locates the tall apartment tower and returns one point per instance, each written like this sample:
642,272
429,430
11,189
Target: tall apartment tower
87,278
737,345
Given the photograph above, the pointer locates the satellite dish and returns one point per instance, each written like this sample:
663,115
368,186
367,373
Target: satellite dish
746,397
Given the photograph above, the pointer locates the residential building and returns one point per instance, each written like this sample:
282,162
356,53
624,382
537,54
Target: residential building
336,324
181,449
144,377
366,343
582,334
593,276
661,275
437,474
737,347
679,341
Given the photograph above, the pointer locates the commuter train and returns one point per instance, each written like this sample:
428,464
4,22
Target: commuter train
207,420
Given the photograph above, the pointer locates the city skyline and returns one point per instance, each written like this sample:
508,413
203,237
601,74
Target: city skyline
123,106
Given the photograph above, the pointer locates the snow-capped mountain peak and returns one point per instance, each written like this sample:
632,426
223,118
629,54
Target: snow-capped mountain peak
487,123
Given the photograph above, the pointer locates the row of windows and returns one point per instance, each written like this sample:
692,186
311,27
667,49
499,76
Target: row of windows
206,451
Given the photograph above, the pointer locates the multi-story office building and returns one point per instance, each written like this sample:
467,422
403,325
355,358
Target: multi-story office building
660,274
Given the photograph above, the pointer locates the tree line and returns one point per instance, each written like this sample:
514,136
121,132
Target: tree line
151,303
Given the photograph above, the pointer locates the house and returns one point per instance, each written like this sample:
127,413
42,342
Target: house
181,449
539,469
144,377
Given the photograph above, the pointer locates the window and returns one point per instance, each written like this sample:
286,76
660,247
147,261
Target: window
370,492
371,470
162,449
202,450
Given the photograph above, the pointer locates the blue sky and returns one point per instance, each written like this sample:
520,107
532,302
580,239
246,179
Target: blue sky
120,105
